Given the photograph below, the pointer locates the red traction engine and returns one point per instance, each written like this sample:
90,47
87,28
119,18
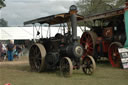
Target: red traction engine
106,35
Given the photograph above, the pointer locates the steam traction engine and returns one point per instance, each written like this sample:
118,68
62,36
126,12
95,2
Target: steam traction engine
61,51
107,34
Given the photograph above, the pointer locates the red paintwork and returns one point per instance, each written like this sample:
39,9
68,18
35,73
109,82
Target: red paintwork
126,3
86,39
113,51
105,46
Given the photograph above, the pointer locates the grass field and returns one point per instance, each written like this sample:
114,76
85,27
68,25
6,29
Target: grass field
18,73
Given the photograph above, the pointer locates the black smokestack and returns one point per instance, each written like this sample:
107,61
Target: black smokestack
73,18
74,26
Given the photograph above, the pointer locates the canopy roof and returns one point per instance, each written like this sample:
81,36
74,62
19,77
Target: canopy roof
53,19
107,14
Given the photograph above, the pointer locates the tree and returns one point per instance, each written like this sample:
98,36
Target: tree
2,4
120,3
90,7
3,23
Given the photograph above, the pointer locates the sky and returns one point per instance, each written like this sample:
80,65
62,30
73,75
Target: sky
18,11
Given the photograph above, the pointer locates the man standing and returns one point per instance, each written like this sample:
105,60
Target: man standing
0,51
10,47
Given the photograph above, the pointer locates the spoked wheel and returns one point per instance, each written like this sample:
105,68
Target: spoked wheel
66,67
88,41
37,57
113,54
88,65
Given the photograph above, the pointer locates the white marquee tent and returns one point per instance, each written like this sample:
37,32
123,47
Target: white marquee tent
18,33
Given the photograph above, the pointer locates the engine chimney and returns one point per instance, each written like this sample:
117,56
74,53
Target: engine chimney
73,18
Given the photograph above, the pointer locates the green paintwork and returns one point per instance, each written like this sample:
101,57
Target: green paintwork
126,28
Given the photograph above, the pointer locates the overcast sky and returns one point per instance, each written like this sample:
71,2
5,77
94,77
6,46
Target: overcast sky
18,11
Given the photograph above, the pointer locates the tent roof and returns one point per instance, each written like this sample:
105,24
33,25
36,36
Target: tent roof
7,33
19,33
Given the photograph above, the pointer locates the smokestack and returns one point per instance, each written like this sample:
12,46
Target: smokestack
73,18
74,26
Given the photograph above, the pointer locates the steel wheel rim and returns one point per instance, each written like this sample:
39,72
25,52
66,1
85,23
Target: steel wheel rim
36,57
89,65
66,67
114,56
88,40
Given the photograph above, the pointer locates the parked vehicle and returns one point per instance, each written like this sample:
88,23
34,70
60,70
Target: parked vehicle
108,32
63,51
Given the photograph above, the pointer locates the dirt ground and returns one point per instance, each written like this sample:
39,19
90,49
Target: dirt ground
18,72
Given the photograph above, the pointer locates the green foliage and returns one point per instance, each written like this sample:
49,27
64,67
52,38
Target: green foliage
119,3
90,7
3,23
2,4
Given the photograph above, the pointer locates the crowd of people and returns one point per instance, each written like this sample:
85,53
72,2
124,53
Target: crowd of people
10,51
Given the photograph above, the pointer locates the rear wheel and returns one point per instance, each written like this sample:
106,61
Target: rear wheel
66,67
113,54
37,57
88,41
88,65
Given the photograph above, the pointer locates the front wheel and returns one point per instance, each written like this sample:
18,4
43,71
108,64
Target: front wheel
88,65
66,67
113,54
